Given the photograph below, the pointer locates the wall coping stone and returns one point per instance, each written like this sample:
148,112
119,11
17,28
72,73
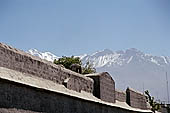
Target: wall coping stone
131,89
120,91
33,81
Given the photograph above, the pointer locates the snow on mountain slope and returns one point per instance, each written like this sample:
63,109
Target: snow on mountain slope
131,68
108,58
120,58
46,55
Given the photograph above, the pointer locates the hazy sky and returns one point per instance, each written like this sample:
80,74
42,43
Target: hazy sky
73,27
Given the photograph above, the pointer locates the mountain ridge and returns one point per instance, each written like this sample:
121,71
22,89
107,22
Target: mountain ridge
43,55
105,56
127,55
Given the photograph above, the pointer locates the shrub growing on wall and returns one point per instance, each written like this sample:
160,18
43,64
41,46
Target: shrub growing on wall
88,68
67,62
154,105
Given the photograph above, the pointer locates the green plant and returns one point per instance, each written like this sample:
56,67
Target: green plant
154,105
68,62
88,68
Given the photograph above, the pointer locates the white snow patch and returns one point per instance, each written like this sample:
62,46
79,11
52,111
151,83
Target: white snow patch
104,60
164,60
46,55
154,61
148,55
130,59
82,56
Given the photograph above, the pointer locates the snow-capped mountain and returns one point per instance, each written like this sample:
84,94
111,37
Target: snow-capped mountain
108,58
129,68
46,55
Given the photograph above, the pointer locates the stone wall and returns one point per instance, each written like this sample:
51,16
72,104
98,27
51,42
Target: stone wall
100,84
135,99
120,96
14,110
104,86
27,98
20,61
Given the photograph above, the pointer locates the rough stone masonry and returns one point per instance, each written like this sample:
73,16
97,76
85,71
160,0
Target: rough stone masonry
20,61
104,86
29,94
14,93
135,99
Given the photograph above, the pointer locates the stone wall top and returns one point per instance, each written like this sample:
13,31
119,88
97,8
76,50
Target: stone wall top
104,74
136,99
120,95
135,91
104,86
34,82
120,91
23,62
5,46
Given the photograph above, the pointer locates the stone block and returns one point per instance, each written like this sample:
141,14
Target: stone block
136,99
120,95
104,86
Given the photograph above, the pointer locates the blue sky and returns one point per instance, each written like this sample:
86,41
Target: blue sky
73,27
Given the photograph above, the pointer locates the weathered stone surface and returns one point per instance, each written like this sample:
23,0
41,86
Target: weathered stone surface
120,96
29,83
20,61
24,97
13,110
104,86
136,99
77,68
44,84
